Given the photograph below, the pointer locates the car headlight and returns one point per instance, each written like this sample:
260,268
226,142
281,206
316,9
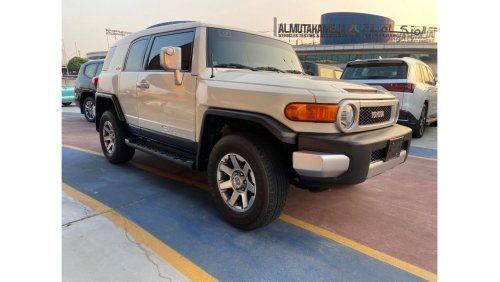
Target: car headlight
347,117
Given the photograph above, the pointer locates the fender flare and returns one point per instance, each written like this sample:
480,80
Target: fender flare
100,100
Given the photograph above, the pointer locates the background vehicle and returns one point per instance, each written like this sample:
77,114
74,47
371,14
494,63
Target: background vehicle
68,95
322,70
85,89
237,104
410,80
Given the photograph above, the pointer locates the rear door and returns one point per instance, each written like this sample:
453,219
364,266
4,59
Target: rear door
128,80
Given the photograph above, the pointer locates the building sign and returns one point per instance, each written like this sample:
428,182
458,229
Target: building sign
399,33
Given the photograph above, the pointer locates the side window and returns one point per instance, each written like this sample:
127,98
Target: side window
99,68
183,40
136,55
427,79
431,76
109,56
90,70
420,74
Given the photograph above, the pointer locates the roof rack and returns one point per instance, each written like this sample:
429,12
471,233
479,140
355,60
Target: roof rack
169,23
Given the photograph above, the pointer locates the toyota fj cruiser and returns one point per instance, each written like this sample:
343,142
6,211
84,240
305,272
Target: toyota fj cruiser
237,104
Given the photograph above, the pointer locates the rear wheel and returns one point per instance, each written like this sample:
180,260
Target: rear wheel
89,109
112,134
248,183
66,104
419,129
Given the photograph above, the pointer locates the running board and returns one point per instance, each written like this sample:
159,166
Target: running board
149,148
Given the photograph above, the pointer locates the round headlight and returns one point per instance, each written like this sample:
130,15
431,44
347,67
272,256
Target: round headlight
347,117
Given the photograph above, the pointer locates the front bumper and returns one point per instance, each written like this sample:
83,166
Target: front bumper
325,159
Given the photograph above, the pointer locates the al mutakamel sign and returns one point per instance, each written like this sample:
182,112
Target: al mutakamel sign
400,33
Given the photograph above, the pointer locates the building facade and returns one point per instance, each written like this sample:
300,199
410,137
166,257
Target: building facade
345,37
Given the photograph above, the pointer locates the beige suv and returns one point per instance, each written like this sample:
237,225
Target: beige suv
237,104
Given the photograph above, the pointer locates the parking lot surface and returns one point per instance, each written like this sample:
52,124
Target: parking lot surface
381,230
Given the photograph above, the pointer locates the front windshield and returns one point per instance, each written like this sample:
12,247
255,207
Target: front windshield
234,49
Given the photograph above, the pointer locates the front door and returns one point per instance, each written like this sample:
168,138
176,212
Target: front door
166,110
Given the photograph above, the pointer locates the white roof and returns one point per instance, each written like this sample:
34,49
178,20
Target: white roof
183,25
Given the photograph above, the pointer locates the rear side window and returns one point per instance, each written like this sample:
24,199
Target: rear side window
99,68
90,70
431,76
135,55
109,56
183,40
425,75
420,74
392,70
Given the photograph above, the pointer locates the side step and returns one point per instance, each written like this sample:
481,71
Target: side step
150,148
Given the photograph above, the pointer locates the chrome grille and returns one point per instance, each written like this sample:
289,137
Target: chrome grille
373,115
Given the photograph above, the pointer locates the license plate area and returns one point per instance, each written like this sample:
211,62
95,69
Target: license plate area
394,148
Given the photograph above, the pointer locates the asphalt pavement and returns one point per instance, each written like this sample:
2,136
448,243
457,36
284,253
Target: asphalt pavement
383,229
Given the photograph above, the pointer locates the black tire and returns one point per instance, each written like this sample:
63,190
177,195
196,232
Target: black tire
270,179
419,128
66,104
110,127
89,108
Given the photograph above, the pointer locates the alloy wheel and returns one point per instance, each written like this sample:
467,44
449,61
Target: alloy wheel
108,135
236,182
90,109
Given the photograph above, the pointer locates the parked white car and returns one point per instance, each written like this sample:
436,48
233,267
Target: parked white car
409,79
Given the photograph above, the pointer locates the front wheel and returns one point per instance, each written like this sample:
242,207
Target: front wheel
248,183
419,129
112,134
89,109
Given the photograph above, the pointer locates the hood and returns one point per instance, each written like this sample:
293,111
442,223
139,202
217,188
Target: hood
287,80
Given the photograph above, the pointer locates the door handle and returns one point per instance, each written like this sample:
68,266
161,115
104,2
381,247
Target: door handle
143,85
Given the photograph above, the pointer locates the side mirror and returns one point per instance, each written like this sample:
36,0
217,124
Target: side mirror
170,59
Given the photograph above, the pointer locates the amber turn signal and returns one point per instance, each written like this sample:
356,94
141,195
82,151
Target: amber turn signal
311,112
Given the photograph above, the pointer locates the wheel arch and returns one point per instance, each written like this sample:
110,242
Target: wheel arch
104,102
219,122
84,95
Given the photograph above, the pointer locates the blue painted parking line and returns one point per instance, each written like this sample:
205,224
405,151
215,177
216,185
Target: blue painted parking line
423,152
183,217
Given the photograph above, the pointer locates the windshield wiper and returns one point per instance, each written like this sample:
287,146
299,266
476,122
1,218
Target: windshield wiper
234,66
270,69
294,71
